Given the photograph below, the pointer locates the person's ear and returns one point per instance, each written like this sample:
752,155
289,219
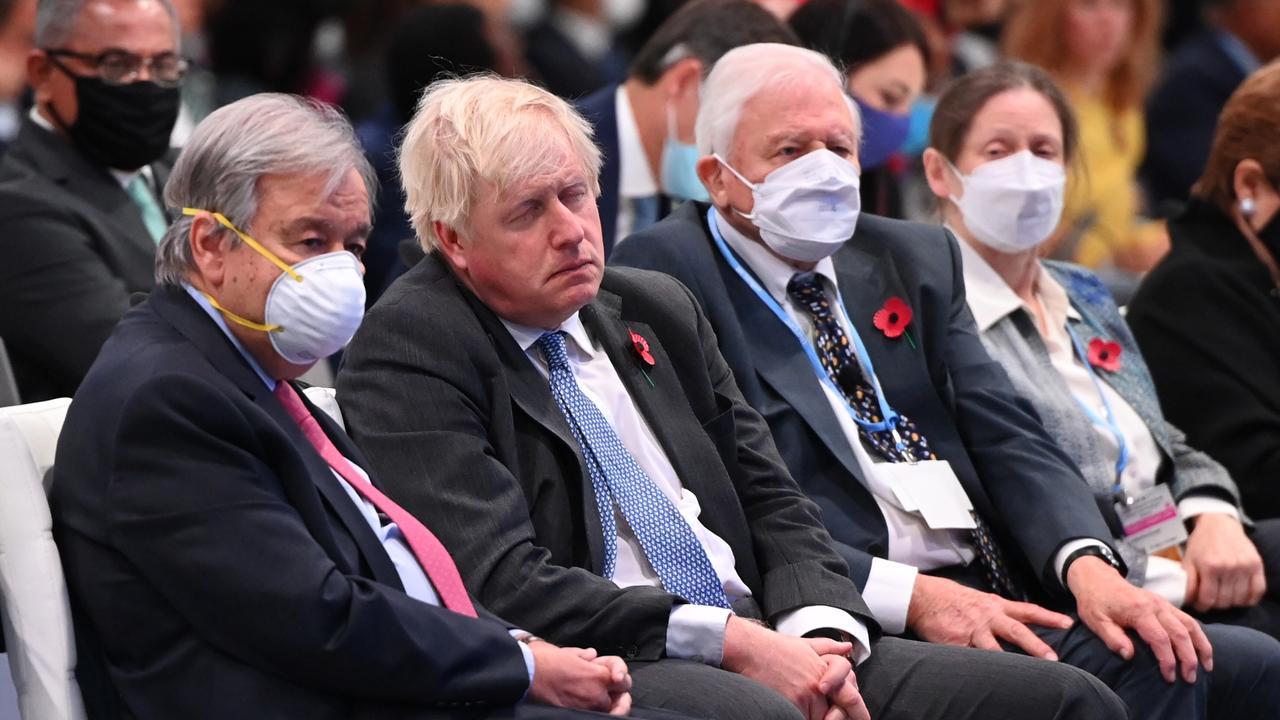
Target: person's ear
714,178
681,79
938,173
1246,183
39,68
209,245
451,245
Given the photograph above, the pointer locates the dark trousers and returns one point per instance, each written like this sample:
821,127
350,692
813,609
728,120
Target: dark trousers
1245,682
902,680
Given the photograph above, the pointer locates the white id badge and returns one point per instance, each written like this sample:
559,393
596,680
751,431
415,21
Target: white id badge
1151,522
930,488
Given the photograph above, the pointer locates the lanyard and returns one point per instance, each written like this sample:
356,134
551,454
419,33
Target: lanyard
890,417
1109,422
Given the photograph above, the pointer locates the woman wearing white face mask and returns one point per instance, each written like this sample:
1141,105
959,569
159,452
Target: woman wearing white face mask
1002,139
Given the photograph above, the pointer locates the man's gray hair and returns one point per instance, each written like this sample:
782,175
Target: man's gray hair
265,134
758,69
56,20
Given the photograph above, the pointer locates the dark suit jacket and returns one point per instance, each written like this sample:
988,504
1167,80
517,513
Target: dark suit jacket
465,433
75,249
600,110
1182,113
962,400
219,562
1208,321
562,67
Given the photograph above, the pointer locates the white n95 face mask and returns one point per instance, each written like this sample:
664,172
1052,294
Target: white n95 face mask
1012,204
319,315
313,309
808,208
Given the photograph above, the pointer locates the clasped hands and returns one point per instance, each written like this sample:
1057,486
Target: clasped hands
815,674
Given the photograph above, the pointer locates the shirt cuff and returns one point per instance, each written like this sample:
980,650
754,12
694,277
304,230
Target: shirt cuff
802,621
522,637
888,593
696,632
1060,559
1193,505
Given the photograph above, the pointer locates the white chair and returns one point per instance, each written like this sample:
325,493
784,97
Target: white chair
33,595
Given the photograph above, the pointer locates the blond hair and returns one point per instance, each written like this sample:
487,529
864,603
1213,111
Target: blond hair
481,130
1033,33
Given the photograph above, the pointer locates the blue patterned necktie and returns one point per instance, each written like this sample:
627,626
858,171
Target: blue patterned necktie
841,363
667,540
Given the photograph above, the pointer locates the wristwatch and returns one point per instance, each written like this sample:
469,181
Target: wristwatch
1098,551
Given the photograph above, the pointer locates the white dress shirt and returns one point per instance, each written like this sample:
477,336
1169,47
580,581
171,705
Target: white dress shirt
694,632
991,299
635,177
412,576
913,545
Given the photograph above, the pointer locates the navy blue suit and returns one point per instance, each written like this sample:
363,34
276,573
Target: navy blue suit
960,398
1182,114
600,110
219,567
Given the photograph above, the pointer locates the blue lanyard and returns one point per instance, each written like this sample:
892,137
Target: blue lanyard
890,418
1109,422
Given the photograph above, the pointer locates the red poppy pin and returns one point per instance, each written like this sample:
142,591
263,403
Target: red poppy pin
1104,355
641,346
893,319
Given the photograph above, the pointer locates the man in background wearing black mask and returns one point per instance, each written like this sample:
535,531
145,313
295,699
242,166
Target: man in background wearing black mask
80,209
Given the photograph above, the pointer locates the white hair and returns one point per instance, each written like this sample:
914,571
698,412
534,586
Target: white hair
484,129
756,69
229,151
57,20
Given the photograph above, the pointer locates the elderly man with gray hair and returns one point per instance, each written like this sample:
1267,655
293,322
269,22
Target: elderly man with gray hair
226,545
578,441
962,522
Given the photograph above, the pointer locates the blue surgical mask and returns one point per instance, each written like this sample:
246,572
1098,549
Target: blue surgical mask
883,134
680,179
921,117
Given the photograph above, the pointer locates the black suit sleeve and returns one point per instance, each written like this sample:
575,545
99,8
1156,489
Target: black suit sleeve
423,418
61,300
1039,495
210,527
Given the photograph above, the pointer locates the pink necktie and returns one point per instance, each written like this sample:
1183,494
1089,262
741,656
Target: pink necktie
433,556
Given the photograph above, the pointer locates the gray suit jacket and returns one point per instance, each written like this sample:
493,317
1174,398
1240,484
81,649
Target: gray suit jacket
75,249
1016,343
465,433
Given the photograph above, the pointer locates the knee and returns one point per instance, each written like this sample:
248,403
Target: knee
1085,696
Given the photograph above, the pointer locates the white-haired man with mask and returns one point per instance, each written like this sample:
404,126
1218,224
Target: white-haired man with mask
961,520
226,547
578,441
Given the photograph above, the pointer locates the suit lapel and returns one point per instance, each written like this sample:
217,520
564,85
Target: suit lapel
661,401
58,160
189,319
784,366
531,393
866,282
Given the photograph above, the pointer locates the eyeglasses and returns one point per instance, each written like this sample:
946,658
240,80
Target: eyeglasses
117,67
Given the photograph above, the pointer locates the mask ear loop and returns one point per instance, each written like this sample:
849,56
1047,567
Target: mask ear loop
222,220
750,185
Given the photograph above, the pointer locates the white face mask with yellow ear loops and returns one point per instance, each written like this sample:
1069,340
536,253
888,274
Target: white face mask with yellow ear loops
313,309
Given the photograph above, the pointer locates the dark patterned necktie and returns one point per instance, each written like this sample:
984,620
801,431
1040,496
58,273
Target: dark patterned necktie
841,363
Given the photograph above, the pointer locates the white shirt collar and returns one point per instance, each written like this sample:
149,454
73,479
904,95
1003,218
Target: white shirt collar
124,177
991,299
635,177
526,336
772,271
